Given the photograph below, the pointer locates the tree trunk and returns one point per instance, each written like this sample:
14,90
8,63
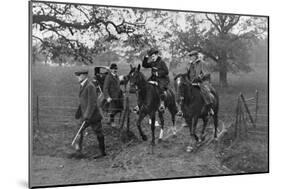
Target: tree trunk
223,72
223,78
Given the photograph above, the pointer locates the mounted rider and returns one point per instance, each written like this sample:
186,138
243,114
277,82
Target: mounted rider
159,73
198,74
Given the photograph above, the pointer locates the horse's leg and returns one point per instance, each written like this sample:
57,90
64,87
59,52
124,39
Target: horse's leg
194,125
194,138
162,126
141,116
152,116
173,109
202,136
215,117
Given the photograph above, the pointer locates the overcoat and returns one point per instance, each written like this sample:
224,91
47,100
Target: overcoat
88,108
111,88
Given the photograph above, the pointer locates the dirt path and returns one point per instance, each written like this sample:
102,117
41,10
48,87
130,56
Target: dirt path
135,160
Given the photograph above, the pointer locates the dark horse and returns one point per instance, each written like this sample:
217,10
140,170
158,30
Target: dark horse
149,101
191,105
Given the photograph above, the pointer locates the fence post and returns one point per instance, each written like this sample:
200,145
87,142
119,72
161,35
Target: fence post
237,117
37,109
257,105
247,109
128,114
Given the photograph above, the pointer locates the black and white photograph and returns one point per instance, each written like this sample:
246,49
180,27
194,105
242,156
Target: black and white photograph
127,94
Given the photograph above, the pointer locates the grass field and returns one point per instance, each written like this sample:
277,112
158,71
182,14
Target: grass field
56,90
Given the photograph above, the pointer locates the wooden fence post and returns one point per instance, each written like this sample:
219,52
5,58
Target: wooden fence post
237,118
37,110
247,109
257,105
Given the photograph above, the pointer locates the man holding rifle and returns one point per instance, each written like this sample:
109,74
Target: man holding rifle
88,112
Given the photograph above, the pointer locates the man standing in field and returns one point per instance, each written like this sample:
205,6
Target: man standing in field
159,73
197,73
112,93
88,111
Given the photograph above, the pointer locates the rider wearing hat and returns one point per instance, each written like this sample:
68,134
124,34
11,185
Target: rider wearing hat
197,73
159,73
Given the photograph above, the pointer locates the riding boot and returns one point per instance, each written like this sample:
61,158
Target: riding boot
101,147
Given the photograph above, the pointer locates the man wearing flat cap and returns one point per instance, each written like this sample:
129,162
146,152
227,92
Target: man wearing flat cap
197,73
159,73
112,93
88,111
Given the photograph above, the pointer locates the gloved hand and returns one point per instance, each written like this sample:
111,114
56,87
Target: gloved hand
86,120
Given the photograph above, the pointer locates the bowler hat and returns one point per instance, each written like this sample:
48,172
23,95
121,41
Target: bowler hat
152,51
113,66
192,53
77,73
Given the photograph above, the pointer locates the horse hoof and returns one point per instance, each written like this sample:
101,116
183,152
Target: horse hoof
174,136
160,140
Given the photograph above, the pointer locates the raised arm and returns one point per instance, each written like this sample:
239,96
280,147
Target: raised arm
145,63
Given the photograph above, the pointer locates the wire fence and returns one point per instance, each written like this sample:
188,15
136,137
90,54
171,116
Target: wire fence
248,118
60,110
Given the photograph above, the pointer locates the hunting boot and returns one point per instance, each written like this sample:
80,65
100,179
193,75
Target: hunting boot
101,147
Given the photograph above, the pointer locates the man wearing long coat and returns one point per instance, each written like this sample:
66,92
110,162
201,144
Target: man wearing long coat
112,93
88,111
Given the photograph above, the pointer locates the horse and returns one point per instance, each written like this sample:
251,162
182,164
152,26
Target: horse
149,101
191,106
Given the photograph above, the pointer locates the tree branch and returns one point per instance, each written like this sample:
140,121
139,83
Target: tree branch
216,25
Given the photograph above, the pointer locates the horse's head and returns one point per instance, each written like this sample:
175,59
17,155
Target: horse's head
136,78
183,89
